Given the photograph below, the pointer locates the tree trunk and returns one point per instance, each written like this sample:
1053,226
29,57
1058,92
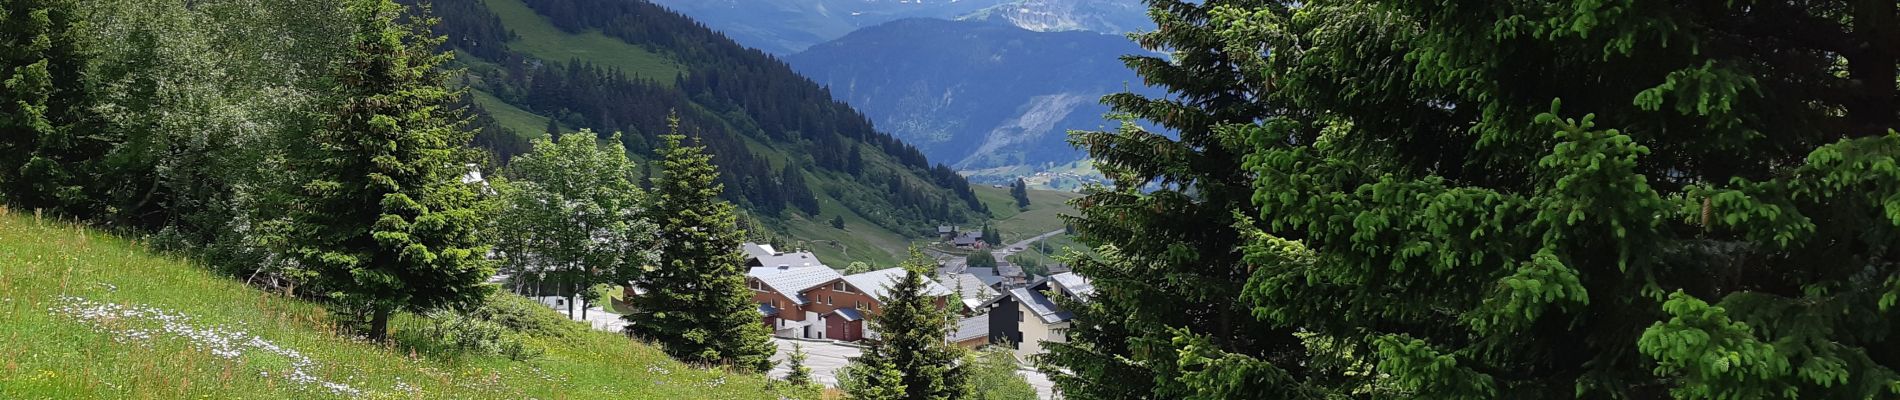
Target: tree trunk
379,324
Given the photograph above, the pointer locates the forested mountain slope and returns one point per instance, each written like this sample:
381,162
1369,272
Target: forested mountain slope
790,154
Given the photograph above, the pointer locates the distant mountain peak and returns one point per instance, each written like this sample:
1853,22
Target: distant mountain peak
1104,16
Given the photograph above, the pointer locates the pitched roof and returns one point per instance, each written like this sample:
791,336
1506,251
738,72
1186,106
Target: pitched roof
1040,305
988,275
969,286
790,282
878,283
971,328
755,250
1005,268
803,259
849,314
1075,285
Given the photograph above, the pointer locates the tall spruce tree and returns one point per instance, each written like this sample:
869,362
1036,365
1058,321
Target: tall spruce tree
381,215
792,179
1020,190
1166,258
49,153
911,330
1569,199
696,304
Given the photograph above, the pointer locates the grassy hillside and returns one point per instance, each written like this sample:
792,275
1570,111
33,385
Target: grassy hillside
1043,214
541,39
88,315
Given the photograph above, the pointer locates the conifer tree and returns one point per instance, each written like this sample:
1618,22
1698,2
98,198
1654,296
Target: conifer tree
797,191
49,153
854,163
381,215
697,306
1165,258
796,372
1482,200
1020,190
911,329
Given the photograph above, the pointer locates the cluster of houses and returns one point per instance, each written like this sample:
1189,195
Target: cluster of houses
960,238
801,297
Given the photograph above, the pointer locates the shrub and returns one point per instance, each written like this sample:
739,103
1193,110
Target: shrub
522,315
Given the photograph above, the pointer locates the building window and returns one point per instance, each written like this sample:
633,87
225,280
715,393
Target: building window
839,286
757,286
828,300
860,305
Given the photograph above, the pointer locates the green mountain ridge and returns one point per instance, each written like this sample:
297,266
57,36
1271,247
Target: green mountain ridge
622,66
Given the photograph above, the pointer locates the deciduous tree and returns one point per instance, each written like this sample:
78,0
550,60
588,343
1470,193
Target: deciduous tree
572,210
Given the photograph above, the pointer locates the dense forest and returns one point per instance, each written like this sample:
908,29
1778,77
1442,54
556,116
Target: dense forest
727,97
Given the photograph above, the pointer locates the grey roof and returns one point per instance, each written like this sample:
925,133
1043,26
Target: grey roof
803,259
755,250
790,282
1040,305
971,287
1008,269
988,275
971,328
849,314
1075,285
946,229
877,283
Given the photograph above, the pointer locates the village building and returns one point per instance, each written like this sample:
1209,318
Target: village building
763,255
1024,319
970,288
971,333
818,303
1011,274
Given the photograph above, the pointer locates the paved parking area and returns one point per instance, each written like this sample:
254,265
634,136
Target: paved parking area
825,359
